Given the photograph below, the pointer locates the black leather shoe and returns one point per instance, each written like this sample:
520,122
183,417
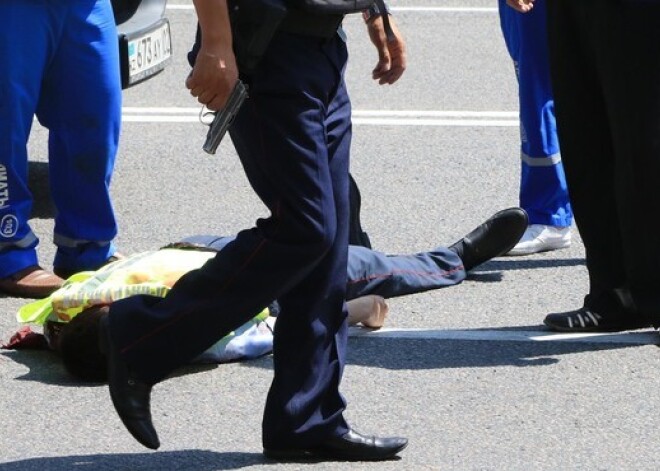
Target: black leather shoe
130,396
352,446
495,237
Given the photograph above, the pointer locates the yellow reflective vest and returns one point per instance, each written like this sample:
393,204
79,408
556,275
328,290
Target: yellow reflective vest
153,273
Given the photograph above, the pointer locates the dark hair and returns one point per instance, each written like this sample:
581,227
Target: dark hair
79,345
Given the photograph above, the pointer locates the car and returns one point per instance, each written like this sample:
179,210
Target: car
145,43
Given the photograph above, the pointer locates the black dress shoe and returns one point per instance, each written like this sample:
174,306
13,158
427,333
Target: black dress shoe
351,446
130,396
495,237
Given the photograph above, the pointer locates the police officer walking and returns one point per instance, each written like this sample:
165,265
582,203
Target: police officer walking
293,137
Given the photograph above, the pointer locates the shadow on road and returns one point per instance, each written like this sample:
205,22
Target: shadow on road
518,263
197,460
424,354
42,204
388,352
45,367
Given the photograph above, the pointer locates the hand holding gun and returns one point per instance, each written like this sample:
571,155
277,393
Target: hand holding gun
253,24
224,117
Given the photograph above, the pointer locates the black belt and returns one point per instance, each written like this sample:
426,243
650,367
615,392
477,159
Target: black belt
308,24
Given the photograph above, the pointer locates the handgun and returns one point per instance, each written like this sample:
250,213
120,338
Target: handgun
253,24
224,117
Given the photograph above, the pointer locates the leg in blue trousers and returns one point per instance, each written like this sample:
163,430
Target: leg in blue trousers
543,189
58,61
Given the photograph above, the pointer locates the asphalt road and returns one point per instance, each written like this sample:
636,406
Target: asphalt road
468,373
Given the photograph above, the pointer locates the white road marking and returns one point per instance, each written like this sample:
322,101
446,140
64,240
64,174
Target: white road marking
159,119
394,9
628,338
360,117
434,122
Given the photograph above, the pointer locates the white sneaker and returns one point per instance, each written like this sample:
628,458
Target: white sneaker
541,238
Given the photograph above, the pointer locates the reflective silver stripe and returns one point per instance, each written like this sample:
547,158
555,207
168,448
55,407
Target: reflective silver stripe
593,318
26,241
63,241
548,161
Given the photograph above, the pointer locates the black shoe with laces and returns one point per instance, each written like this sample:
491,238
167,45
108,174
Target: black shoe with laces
586,320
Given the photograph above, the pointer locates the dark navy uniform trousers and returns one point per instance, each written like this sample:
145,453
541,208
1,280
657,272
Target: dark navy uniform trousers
293,137
372,272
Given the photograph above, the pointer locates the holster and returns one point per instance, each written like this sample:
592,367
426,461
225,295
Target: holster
310,24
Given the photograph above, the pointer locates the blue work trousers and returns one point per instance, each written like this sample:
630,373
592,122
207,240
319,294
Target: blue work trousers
59,61
293,137
543,189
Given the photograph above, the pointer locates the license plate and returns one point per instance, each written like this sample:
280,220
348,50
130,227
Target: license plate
149,52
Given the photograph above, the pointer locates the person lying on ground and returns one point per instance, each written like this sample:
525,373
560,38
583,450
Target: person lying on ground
71,315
